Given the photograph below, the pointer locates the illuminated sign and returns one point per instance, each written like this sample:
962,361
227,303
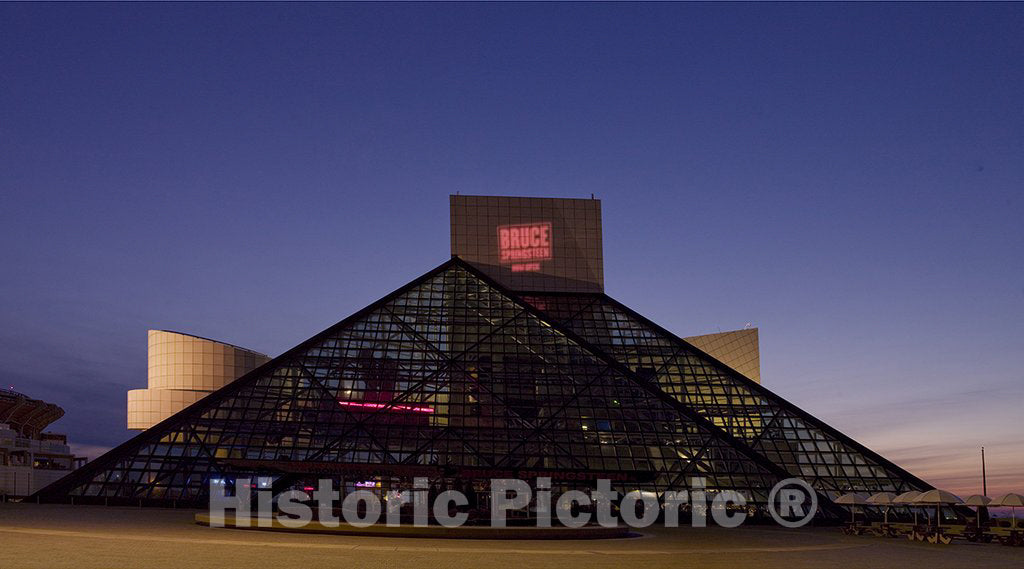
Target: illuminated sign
524,245
371,405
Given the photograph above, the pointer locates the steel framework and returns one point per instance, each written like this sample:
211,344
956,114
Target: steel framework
455,378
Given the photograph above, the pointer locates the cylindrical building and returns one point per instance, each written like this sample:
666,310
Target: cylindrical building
182,370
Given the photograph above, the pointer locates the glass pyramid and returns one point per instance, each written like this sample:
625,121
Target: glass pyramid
778,430
454,378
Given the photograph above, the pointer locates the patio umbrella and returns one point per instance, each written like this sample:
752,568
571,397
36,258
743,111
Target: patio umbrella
979,501
883,499
853,500
939,498
907,498
1012,501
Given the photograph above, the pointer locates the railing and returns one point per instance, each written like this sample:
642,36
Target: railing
55,448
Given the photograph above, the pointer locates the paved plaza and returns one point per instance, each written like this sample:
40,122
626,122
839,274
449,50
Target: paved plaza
84,537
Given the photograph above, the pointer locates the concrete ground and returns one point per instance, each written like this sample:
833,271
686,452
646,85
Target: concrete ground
83,537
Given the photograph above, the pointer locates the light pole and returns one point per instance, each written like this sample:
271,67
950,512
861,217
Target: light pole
984,481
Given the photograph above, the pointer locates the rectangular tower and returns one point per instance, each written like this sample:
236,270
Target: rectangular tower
531,244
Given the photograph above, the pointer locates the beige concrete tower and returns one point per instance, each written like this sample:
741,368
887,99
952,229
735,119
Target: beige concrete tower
738,349
182,370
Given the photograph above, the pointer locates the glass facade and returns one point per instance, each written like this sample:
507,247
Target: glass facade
455,378
787,436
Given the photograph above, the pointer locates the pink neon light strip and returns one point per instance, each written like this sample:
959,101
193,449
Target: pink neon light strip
371,405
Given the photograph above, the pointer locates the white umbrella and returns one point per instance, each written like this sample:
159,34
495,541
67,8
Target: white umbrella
1012,501
883,499
939,498
853,500
979,501
908,498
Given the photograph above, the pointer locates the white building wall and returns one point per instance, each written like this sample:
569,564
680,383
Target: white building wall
18,477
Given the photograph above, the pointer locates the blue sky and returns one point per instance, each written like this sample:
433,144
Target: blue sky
846,177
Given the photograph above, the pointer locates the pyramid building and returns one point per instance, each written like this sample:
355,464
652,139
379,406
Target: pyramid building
507,361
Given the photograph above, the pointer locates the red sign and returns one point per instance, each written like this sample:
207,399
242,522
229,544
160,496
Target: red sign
524,245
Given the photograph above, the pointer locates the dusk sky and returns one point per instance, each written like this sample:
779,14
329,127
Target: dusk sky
847,178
